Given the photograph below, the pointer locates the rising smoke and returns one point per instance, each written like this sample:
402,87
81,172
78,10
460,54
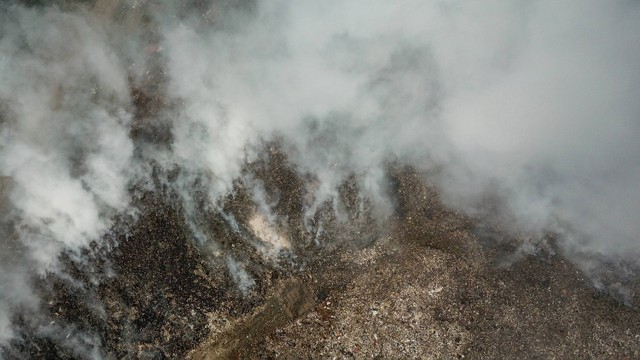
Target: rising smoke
64,145
532,103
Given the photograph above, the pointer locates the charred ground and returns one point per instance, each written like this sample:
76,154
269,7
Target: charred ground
429,286
424,282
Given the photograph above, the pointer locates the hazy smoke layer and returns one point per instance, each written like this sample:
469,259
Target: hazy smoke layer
530,102
64,144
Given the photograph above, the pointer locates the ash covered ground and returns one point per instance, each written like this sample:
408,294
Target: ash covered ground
268,267
427,283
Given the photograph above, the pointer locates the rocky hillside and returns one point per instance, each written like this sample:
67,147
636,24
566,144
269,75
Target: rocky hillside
270,266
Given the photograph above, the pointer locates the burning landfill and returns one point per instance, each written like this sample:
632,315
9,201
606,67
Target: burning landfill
319,179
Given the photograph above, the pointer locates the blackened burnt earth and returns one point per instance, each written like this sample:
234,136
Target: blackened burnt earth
424,283
430,286
146,298
145,290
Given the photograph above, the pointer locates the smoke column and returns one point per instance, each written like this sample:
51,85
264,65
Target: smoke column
533,103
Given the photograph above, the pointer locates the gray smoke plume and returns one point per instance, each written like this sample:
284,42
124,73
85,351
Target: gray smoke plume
531,103
64,144
534,102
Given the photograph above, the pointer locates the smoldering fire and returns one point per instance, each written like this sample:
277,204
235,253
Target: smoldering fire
521,112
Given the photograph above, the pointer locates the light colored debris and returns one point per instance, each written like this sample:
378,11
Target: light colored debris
273,241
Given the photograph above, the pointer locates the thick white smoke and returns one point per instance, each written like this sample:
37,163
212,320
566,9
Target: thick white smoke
530,101
534,100
64,143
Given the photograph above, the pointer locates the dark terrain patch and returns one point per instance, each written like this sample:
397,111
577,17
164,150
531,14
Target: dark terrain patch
422,283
